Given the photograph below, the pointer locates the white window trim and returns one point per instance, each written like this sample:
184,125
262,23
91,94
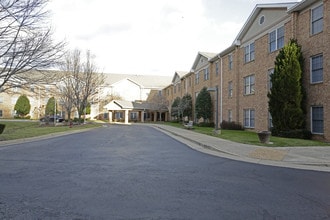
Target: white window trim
249,54
249,110
311,69
276,38
311,21
251,91
311,116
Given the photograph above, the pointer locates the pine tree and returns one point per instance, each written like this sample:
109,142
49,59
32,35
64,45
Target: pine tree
22,106
186,103
203,105
175,111
50,107
286,94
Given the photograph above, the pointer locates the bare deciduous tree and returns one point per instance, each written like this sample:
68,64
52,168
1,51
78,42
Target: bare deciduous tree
159,103
79,81
25,42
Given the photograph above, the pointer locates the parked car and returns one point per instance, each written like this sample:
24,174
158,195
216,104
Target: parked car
50,119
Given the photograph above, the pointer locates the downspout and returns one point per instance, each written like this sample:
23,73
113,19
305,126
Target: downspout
221,90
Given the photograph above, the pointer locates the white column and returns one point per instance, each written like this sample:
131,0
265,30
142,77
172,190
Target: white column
126,116
142,116
110,117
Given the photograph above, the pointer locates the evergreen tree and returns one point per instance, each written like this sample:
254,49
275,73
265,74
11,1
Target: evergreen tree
286,94
50,107
203,105
22,106
175,107
186,104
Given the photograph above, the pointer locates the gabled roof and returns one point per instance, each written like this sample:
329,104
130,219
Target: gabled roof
178,74
127,79
207,55
302,5
255,13
126,105
146,81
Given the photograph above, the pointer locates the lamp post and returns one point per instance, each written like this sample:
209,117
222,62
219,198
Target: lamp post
54,111
216,89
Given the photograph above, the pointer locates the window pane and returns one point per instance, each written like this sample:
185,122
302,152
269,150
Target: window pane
317,20
272,41
317,13
252,118
252,51
317,69
246,118
246,55
317,119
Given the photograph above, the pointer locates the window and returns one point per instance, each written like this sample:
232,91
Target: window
230,115
119,115
317,69
1,99
317,20
197,78
1,115
230,61
206,74
249,53
249,118
276,39
230,89
317,119
270,73
32,88
217,68
134,115
249,85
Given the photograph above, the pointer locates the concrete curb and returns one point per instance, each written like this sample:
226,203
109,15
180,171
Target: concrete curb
297,161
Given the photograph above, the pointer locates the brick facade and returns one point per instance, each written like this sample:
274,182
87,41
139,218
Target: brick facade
230,72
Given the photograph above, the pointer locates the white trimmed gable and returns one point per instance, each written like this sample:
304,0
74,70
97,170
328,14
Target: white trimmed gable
263,18
202,60
127,90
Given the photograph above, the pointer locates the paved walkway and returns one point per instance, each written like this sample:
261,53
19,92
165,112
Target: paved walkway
310,158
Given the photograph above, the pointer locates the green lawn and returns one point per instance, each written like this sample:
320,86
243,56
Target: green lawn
18,129
250,137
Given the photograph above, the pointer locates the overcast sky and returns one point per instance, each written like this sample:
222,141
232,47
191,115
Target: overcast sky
149,37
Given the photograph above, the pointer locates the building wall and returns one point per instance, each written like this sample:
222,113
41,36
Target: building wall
318,94
38,96
296,25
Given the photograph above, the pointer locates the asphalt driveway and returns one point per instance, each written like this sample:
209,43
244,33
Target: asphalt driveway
137,172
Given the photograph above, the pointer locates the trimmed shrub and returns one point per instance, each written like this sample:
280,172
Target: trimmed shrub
231,125
206,124
2,128
297,133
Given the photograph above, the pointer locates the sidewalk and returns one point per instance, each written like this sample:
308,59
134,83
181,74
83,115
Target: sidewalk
309,158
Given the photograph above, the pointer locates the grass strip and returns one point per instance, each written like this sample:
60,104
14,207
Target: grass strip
251,137
26,129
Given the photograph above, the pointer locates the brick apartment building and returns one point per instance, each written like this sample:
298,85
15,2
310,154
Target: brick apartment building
242,71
